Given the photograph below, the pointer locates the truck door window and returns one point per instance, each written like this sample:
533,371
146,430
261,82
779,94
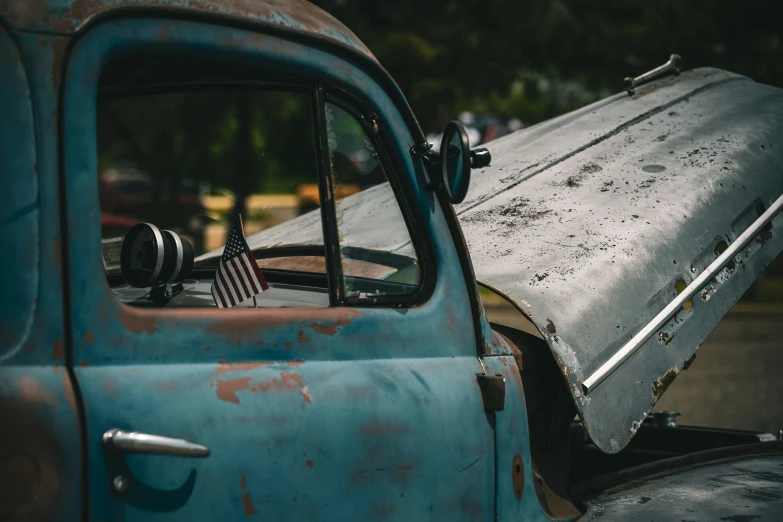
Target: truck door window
377,254
190,154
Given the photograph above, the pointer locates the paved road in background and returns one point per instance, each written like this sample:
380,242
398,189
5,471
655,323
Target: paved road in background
736,380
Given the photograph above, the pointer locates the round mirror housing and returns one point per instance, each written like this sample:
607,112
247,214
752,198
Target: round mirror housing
455,162
152,257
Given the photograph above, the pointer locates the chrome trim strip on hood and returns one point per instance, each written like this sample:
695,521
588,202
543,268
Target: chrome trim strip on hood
692,289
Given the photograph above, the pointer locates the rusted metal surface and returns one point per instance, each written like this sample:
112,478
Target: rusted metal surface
302,405
40,451
516,497
587,222
743,490
36,463
296,16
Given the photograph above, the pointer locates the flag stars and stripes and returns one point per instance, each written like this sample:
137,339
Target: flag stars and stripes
238,277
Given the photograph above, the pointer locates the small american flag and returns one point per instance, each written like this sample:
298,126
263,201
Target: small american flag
238,277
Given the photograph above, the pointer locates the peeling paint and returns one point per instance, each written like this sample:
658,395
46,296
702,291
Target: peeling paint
224,367
293,15
660,384
247,505
330,329
58,351
138,321
308,399
227,390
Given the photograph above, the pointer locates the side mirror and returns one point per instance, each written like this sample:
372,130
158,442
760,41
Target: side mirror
449,168
455,162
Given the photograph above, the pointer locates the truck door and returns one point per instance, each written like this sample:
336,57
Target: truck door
350,391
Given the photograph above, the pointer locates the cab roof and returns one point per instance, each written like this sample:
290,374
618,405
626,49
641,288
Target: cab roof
296,16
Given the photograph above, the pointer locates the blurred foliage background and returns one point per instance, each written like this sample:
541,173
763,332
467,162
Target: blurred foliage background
534,59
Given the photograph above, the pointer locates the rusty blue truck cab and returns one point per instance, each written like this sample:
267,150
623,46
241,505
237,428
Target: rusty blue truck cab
351,412
332,400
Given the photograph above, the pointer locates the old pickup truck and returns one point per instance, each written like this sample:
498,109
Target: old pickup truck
368,382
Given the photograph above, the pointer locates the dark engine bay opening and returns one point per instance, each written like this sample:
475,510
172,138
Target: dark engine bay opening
569,469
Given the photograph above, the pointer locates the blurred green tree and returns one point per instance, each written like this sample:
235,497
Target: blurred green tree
534,59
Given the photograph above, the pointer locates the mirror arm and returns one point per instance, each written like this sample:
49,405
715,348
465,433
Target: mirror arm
431,159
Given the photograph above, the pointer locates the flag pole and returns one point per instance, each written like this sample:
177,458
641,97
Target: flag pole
242,229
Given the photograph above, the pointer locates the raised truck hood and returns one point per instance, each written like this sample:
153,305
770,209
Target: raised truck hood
587,222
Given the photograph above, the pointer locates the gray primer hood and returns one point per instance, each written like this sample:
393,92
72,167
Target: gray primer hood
587,221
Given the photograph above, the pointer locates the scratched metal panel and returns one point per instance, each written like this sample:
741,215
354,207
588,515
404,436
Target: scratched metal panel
311,414
741,490
588,221
298,16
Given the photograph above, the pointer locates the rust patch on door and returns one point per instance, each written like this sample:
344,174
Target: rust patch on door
227,390
330,329
89,338
139,321
302,338
58,351
247,504
518,476
247,501
68,391
224,367
30,390
308,399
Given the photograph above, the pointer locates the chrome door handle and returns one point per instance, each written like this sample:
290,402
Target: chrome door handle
135,442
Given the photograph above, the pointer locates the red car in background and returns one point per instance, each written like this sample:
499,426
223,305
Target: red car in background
128,194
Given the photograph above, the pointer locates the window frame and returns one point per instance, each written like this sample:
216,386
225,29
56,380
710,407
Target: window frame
360,108
403,195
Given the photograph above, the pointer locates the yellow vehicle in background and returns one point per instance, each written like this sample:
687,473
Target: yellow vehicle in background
307,195
357,172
